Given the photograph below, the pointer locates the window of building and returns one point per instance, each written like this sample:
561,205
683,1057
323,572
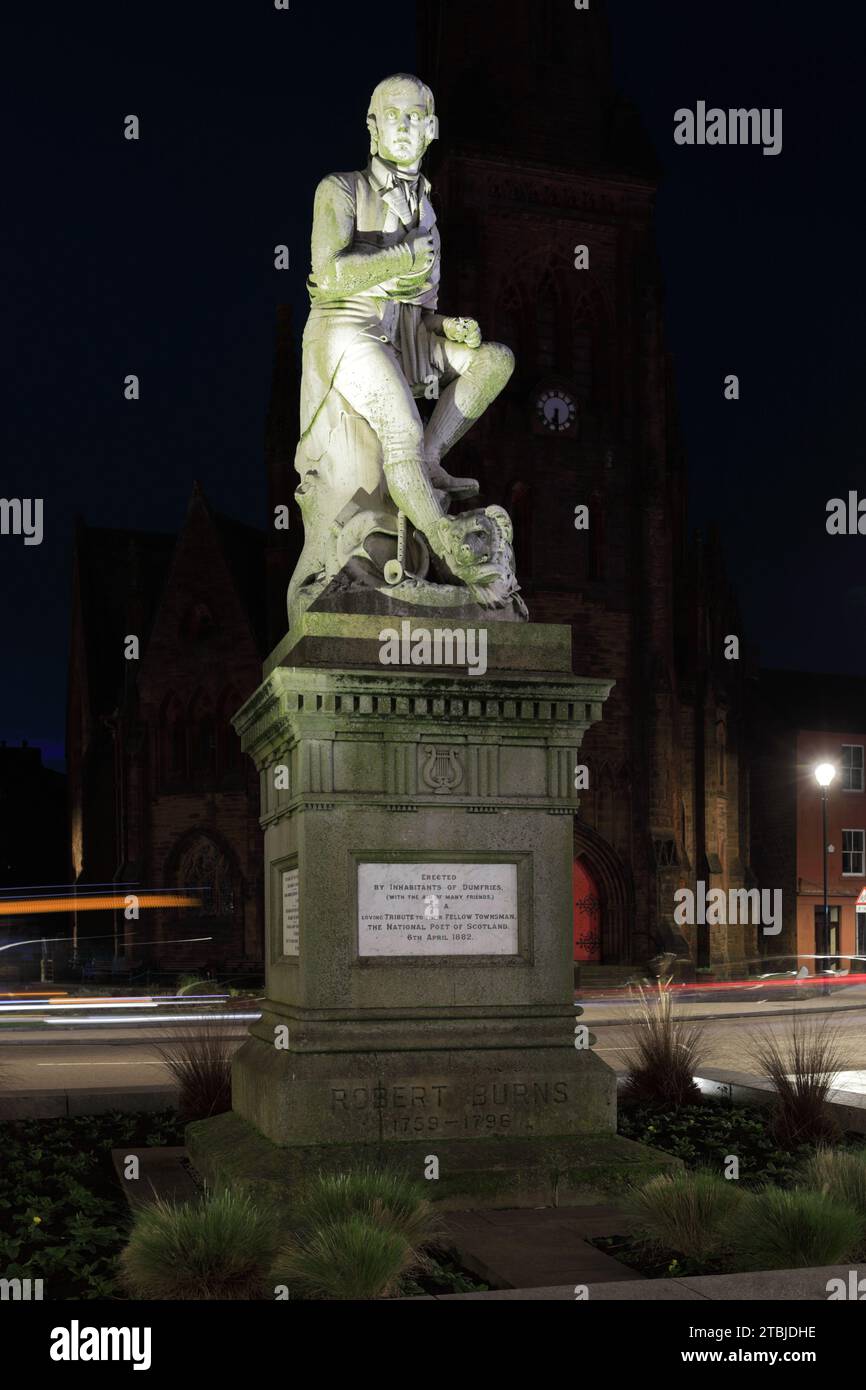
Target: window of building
853,852
172,742
721,752
581,347
852,767
509,321
595,567
546,315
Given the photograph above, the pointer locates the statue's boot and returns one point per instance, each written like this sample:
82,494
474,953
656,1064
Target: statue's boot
410,488
461,403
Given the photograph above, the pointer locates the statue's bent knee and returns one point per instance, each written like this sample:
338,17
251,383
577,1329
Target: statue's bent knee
498,363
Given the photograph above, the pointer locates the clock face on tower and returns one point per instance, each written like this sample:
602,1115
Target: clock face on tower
556,410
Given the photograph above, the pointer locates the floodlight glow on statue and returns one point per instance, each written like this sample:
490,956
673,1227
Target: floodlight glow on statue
374,495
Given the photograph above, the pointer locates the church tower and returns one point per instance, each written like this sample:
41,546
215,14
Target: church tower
545,185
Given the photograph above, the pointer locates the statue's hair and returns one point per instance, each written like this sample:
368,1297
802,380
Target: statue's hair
402,77
386,82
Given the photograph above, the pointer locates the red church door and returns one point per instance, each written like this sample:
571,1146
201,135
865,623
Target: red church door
587,914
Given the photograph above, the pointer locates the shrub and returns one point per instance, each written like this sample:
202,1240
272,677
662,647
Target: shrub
666,1052
802,1069
219,1247
200,1060
352,1258
391,1200
689,1212
779,1229
840,1174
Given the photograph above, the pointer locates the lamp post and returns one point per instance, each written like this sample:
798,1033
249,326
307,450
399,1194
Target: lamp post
824,774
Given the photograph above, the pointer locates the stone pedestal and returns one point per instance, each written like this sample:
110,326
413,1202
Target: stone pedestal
418,844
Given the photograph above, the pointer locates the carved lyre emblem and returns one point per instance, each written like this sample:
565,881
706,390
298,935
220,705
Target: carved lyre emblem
442,770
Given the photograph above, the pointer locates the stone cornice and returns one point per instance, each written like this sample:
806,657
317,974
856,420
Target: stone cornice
402,706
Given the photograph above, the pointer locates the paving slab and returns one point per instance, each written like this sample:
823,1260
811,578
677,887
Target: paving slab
525,1249
163,1172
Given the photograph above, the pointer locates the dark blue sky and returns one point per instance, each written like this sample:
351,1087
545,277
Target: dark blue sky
156,258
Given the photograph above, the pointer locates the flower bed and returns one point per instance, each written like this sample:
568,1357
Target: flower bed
63,1218
705,1136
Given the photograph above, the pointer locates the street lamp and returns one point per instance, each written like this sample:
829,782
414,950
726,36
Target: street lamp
824,774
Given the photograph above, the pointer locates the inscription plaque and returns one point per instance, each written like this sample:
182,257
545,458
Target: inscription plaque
437,909
291,935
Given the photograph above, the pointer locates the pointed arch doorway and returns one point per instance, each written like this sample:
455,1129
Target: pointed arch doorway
586,903
603,902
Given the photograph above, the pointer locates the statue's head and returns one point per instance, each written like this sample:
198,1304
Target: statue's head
401,120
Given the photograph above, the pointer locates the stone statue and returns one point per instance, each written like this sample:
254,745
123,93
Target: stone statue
374,495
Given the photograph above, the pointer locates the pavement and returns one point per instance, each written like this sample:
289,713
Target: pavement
773,1286
603,1009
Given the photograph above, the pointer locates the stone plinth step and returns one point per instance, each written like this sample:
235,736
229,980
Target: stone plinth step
495,1172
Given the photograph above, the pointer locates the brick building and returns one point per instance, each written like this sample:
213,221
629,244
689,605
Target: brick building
802,720
539,156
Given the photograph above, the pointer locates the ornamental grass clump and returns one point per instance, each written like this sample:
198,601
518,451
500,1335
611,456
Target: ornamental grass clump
666,1051
777,1228
200,1061
689,1212
840,1174
390,1199
219,1247
802,1068
351,1258
357,1235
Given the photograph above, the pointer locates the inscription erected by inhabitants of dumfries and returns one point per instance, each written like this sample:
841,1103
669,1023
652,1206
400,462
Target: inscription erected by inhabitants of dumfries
437,909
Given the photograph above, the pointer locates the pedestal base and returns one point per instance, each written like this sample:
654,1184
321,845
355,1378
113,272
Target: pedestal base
419,842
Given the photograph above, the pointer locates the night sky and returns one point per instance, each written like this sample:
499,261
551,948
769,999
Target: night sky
156,258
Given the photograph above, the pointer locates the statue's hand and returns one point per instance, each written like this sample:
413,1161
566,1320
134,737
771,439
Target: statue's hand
423,251
462,331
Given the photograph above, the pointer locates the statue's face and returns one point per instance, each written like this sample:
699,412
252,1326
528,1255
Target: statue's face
404,128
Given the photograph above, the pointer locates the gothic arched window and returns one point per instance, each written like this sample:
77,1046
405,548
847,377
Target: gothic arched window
173,741
198,623
207,870
546,321
229,756
581,364
203,739
509,321
595,566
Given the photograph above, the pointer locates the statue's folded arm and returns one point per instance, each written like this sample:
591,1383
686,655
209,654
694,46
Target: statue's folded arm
342,266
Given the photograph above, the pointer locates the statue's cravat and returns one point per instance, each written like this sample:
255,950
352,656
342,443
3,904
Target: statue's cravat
401,192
